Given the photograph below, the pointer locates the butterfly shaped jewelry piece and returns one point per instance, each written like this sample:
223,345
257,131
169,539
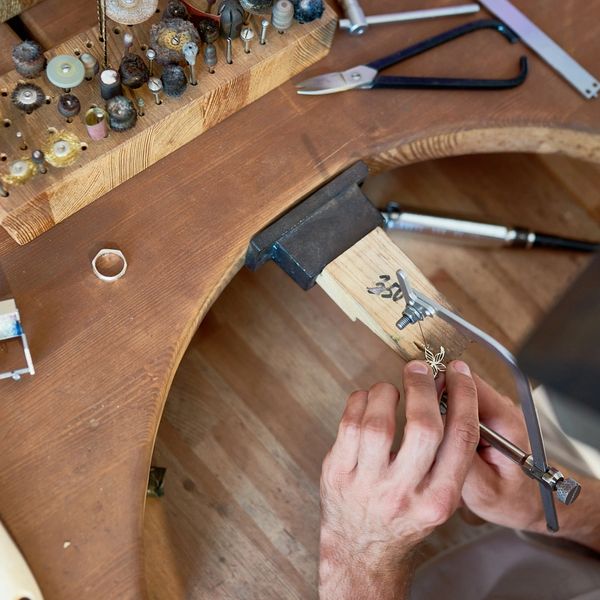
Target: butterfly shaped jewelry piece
435,361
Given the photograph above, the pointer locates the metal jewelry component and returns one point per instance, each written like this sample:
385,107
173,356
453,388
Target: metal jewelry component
264,26
130,12
27,97
150,55
22,143
10,328
583,81
62,149
210,57
96,123
174,80
122,114
29,59
190,52
101,273
90,65
435,361
68,106
39,160
229,52
419,307
65,72
156,87
20,172
110,84
283,15
247,35
411,15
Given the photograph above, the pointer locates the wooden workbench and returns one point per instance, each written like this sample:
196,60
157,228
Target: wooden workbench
78,436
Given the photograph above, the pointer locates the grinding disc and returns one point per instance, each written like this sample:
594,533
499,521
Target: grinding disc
65,71
130,12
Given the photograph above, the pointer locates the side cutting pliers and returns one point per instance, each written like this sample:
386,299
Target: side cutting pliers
366,77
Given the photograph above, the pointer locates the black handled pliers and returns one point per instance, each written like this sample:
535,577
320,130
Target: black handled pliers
366,77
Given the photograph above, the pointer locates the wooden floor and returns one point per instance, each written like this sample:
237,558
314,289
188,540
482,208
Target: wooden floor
256,402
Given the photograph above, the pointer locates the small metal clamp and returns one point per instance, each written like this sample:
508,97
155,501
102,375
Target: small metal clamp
10,328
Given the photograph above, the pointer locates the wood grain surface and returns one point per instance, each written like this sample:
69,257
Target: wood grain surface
11,8
79,435
346,281
256,401
44,200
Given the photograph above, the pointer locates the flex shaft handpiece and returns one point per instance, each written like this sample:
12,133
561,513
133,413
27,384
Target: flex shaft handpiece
566,489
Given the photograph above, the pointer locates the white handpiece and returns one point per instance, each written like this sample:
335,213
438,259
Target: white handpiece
16,580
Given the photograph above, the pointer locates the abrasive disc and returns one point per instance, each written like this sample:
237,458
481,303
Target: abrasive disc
130,12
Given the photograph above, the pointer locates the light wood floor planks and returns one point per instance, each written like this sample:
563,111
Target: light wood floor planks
255,404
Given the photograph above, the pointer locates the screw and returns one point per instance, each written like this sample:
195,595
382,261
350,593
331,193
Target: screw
247,34
404,322
264,25
228,55
150,55
190,51
37,156
155,86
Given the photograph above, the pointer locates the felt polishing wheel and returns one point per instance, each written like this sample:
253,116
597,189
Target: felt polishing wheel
130,12
65,71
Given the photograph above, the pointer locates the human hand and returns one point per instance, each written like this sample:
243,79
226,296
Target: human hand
496,489
376,507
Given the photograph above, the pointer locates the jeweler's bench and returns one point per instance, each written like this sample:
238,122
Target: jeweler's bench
78,436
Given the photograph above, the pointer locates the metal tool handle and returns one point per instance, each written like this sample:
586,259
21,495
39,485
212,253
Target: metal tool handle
450,83
442,38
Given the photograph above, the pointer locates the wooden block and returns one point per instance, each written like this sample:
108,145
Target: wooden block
11,8
45,200
346,280
8,39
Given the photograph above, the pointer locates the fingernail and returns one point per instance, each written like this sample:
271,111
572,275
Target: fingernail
461,367
417,366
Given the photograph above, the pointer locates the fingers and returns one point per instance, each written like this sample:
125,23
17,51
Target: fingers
344,454
424,428
377,430
461,434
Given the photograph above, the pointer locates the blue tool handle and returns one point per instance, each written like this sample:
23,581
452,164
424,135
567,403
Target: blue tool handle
442,38
450,83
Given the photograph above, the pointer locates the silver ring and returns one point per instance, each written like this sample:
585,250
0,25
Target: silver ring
109,252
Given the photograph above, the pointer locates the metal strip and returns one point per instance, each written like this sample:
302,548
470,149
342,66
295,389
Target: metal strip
545,47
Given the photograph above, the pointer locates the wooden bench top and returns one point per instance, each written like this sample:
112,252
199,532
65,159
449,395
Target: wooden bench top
78,436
